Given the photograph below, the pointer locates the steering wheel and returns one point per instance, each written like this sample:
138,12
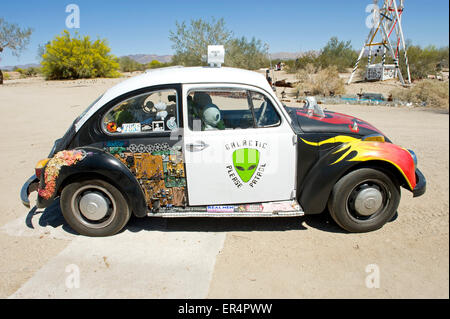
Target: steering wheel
148,107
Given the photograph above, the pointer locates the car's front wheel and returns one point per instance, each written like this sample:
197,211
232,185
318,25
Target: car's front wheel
94,208
364,200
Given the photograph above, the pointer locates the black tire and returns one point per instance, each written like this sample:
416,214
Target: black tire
118,212
341,204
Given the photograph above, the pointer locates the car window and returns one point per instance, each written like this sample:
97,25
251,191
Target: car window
265,113
225,109
150,112
219,109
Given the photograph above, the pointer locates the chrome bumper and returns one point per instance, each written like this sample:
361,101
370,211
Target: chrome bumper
30,185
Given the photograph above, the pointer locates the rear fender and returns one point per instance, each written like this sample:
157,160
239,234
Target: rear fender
94,163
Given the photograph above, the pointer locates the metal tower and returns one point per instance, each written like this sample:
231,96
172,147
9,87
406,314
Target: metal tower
386,35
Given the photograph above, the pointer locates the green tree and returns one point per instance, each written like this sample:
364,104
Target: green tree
338,53
241,53
68,57
14,38
191,42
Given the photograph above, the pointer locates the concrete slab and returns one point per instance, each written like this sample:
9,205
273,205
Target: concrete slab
147,260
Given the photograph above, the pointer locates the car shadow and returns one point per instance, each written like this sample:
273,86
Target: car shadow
214,224
52,216
228,224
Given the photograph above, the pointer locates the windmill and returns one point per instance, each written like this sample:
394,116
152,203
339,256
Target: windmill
385,37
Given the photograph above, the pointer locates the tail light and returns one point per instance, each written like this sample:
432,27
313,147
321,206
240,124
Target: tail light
40,167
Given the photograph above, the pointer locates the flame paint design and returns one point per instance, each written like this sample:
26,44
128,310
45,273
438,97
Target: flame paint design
336,139
367,151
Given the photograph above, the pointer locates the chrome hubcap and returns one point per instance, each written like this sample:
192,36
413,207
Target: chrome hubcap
93,206
368,201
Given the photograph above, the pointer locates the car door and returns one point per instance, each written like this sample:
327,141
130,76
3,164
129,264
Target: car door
238,147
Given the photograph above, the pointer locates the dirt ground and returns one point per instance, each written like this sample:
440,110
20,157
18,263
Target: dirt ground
307,257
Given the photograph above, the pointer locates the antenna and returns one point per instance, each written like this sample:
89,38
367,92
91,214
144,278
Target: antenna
386,20
270,63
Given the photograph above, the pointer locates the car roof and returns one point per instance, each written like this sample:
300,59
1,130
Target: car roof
175,75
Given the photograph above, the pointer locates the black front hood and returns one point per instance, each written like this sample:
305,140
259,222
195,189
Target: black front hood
333,122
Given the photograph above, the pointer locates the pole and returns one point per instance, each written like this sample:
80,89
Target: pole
402,37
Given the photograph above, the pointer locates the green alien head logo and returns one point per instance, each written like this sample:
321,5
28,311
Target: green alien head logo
245,161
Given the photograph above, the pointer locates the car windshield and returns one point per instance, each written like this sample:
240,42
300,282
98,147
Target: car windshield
88,108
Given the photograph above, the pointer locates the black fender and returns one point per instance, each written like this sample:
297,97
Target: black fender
337,161
319,182
102,165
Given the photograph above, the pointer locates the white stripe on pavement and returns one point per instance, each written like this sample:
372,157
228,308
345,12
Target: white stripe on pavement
133,264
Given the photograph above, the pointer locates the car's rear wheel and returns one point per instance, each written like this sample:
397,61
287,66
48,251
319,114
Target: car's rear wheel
94,208
364,200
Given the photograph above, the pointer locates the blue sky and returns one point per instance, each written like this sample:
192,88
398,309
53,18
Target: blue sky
133,26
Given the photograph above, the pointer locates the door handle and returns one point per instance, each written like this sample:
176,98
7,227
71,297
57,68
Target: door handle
197,146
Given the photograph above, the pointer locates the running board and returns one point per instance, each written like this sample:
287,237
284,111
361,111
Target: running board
271,209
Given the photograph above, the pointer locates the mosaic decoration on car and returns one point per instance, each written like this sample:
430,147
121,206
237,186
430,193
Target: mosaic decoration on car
159,170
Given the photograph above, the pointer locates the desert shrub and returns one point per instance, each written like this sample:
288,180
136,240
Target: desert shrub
427,92
246,54
289,66
426,61
311,57
6,76
33,71
21,71
306,75
334,53
29,72
154,64
127,64
319,81
67,57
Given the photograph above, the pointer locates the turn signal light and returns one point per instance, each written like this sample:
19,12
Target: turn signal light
374,138
40,166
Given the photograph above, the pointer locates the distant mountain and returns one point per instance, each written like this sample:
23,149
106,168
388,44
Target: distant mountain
22,66
147,58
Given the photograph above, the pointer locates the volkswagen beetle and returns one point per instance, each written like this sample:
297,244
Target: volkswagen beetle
213,141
